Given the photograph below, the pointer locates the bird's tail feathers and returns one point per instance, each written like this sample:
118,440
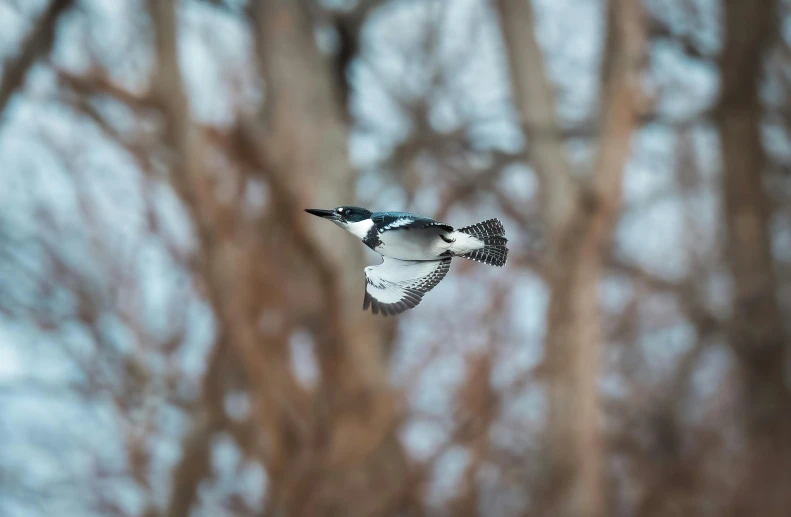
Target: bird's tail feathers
492,235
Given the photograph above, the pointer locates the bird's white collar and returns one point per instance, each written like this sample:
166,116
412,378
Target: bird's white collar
359,229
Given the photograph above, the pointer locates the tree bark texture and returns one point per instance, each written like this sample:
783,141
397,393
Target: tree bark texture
331,450
580,216
756,330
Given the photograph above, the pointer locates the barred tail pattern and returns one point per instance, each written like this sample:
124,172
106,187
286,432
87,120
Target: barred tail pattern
492,234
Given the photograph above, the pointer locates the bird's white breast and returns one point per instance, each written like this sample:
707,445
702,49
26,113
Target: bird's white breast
423,244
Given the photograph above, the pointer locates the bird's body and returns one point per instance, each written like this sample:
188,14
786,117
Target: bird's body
417,252
406,236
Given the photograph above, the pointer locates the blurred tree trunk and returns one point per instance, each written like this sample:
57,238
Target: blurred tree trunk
332,450
305,141
580,217
534,97
756,329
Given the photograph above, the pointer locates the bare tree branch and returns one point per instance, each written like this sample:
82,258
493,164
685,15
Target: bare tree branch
37,44
534,97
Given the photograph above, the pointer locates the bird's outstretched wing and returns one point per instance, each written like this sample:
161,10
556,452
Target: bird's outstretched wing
386,221
395,286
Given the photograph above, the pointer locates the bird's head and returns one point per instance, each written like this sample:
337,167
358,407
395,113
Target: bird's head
344,216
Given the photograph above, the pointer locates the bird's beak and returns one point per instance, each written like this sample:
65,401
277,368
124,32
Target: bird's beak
326,214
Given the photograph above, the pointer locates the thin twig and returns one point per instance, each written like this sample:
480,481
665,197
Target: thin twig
38,43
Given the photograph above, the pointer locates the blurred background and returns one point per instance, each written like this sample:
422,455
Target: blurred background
177,338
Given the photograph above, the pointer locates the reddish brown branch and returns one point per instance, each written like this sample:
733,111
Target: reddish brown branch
37,44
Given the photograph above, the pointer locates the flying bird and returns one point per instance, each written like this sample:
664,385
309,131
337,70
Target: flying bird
417,252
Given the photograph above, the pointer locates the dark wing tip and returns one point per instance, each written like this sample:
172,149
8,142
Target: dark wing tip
410,300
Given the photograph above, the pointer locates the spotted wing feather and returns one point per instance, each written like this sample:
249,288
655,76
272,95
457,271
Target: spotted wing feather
395,286
387,221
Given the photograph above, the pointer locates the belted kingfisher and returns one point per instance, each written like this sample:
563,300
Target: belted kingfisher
416,250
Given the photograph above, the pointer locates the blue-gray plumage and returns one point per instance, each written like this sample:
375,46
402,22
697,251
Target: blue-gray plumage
417,252
385,221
